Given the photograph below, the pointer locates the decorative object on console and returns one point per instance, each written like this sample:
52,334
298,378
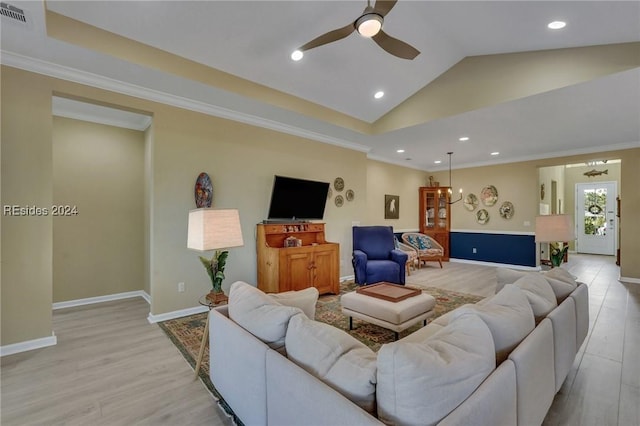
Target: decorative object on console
391,206
203,191
557,230
450,184
214,229
506,210
471,202
482,216
489,195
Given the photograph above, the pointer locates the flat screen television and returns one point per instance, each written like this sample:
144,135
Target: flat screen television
297,199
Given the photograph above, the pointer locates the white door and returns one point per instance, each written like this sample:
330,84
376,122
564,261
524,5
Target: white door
596,217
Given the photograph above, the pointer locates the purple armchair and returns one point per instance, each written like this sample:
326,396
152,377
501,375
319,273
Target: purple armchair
375,257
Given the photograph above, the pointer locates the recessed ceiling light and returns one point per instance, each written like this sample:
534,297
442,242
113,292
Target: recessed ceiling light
438,161
464,139
495,153
379,94
400,151
297,55
556,25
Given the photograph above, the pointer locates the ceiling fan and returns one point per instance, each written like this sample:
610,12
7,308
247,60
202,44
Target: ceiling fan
369,25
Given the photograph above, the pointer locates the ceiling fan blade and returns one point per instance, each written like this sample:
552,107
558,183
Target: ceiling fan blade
329,37
383,7
394,46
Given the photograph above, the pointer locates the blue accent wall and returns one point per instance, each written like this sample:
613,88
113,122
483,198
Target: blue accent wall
497,248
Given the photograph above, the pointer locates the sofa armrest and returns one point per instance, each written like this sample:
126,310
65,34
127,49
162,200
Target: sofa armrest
399,257
295,397
360,266
581,298
237,368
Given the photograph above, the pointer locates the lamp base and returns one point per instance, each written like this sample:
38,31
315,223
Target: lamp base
217,297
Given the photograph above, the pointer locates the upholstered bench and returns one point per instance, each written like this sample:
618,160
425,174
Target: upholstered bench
396,316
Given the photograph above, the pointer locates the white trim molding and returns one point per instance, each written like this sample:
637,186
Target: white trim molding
28,345
101,299
629,280
485,231
176,314
496,265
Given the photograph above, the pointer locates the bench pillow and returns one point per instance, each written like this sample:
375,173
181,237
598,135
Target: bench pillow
304,299
508,315
420,383
335,357
260,314
539,293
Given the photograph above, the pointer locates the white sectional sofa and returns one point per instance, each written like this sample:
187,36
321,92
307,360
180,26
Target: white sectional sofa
499,362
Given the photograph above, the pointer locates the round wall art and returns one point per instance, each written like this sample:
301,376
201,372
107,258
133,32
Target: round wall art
506,210
482,216
471,202
350,195
203,191
338,184
339,200
489,195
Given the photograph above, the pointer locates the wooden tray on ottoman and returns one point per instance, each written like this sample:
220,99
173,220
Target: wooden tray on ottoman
389,292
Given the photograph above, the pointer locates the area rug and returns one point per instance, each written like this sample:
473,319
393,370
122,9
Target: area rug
186,332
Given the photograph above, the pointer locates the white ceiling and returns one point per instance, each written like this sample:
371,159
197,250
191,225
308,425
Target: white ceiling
253,40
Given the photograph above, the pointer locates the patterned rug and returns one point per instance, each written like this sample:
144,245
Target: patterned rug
186,332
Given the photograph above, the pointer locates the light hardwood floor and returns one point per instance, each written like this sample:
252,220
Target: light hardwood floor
110,367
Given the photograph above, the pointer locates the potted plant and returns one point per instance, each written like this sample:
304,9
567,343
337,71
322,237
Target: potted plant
215,270
557,254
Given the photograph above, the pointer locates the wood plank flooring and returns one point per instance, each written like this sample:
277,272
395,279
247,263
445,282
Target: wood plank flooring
111,367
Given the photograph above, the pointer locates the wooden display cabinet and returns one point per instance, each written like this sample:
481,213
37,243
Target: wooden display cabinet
314,263
435,215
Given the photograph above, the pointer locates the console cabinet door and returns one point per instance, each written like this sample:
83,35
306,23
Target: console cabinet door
325,269
297,271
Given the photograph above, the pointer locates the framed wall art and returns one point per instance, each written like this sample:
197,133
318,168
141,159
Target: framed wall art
391,206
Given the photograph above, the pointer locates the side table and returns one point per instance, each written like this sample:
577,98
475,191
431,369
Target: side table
204,301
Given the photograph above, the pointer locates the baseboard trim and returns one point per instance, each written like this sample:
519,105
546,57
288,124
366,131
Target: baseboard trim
101,299
28,345
347,278
497,265
629,280
175,314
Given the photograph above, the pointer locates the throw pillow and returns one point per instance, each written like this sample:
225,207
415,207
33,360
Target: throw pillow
419,383
424,243
560,280
539,293
336,358
413,240
508,315
259,314
304,299
508,276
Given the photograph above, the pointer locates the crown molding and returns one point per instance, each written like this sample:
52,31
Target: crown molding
94,80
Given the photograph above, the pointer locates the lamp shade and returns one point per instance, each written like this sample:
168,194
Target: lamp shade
212,229
554,227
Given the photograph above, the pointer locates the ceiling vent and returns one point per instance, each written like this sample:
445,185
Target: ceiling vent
13,13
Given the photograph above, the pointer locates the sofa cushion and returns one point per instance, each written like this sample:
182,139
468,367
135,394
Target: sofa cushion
334,357
508,315
419,383
559,279
304,299
260,314
539,293
562,283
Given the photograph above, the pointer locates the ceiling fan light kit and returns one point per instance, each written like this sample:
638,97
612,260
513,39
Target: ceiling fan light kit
369,25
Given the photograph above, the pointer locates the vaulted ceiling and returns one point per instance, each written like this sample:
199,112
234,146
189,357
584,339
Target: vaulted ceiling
491,71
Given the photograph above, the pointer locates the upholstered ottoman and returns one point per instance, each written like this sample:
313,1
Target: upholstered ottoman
396,316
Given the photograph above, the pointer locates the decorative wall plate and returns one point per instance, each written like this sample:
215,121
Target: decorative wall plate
203,191
471,202
339,200
489,195
329,193
338,184
350,195
482,216
506,210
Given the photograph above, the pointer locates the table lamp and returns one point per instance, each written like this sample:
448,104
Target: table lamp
558,229
214,229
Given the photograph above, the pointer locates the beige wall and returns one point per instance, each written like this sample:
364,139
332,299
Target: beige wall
98,170
547,176
241,160
384,178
